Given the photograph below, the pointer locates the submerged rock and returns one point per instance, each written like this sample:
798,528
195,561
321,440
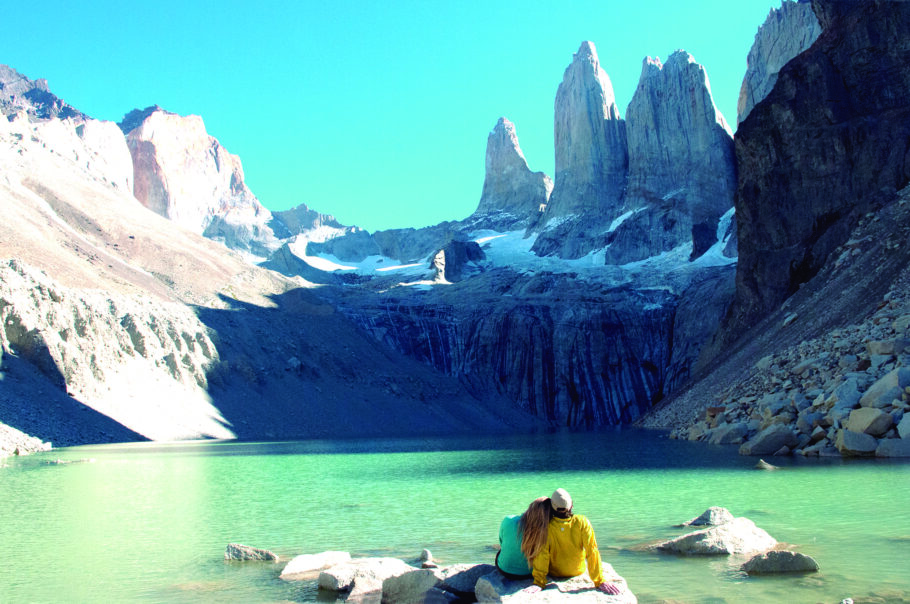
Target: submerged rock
237,551
774,562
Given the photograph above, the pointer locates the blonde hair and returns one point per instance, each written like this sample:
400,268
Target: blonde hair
533,526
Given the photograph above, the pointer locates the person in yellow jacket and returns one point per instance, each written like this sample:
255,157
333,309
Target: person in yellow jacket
571,548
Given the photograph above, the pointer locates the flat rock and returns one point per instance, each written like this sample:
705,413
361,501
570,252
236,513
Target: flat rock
739,536
494,587
237,551
774,562
362,574
305,565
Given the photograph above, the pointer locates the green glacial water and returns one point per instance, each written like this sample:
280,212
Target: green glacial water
149,522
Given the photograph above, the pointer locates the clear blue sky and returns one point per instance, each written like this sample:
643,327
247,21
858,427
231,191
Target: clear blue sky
376,112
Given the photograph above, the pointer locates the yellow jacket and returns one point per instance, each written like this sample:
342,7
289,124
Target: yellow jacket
570,542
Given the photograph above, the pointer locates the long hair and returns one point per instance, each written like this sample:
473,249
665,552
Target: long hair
533,526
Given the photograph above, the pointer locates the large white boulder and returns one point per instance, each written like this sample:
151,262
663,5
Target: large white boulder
304,565
739,536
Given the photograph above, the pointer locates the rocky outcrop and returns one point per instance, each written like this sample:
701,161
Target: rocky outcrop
513,196
829,144
788,31
238,551
591,157
183,174
362,577
738,536
456,261
18,93
681,177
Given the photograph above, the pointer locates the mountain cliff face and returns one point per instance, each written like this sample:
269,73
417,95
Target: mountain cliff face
512,196
824,148
183,174
591,159
681,166
786,32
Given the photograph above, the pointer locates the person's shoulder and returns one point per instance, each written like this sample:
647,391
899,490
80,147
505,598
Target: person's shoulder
511,519
581,520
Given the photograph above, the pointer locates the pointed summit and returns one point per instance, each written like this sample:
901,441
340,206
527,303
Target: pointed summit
591,159
590,140
512,194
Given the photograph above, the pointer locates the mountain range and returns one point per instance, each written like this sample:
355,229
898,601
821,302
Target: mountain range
146,293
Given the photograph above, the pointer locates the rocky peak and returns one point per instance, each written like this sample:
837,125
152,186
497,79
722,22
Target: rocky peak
18,93
788,31
681,164
187,176
590,140
512,195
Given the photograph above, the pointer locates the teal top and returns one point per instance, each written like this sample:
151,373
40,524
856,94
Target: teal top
510,558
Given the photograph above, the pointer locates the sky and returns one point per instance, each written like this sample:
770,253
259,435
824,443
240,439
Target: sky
375,112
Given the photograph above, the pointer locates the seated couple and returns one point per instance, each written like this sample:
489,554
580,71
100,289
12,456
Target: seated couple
549,539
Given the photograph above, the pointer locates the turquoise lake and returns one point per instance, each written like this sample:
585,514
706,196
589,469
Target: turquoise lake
149,522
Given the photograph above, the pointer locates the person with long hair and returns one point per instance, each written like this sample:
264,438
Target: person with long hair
521,538
570,548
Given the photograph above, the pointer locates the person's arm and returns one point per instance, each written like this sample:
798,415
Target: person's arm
540,566
592,554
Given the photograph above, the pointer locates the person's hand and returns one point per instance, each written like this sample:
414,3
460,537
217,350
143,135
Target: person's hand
609,588
532,589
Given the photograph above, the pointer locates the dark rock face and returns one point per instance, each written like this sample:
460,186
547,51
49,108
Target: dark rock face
788,31
830,141
513,196
457,260
18,93
568,351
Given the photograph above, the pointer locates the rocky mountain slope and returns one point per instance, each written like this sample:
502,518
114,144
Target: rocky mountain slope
118,324
815,339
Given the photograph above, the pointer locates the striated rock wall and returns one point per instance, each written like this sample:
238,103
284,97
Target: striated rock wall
788,31
828,143
183,174
564,350
512,195
682,174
